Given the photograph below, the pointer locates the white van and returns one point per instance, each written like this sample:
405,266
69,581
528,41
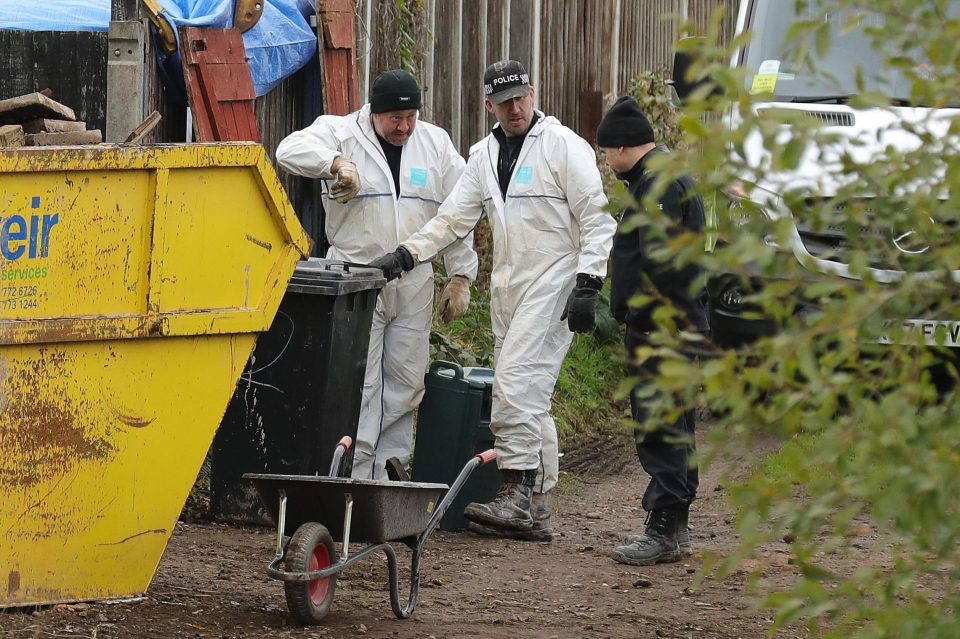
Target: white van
862,133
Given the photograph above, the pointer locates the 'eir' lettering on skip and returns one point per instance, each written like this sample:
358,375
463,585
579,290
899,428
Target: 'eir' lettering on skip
21,235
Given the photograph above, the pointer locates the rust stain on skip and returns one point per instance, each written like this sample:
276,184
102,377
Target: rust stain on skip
13,582
44,428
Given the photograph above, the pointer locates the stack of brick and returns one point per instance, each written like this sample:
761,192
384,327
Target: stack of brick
36,120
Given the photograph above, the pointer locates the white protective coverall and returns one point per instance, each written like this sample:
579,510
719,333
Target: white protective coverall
551,227
372,223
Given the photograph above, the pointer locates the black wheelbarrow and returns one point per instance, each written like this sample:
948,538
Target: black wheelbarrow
319,509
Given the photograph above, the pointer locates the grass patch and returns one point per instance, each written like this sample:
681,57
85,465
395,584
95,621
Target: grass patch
568,483
791,460
584,402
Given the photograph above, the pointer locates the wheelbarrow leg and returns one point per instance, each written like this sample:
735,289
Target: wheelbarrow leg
441,510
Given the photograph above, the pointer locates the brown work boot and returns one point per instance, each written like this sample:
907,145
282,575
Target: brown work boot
541,508
510,509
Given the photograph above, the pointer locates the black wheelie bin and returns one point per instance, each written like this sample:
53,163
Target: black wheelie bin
301,390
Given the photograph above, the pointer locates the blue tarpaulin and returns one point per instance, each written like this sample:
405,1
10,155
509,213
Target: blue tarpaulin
277,46
55,15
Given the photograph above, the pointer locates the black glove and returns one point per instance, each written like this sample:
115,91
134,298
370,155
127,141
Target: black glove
581,308
394,264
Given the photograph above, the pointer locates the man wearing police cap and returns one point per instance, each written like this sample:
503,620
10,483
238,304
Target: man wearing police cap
387,174
538,184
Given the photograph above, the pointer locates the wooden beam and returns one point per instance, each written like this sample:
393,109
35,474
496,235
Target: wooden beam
64,139
30,106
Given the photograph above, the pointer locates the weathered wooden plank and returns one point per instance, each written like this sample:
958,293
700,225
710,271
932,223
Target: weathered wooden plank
521,32
336,20
337,41
497,40
31,106
45,125
442,89
472,66
64,139
11,135
143,129
700,12
219,84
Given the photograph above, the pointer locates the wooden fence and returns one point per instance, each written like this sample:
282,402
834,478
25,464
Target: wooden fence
580,53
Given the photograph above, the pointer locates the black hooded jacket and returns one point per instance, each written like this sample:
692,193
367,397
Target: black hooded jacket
633,269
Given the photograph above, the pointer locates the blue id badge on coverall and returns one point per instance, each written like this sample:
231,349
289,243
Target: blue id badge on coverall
524,175
418,177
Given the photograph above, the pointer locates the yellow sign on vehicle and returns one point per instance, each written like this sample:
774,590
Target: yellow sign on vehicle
133,283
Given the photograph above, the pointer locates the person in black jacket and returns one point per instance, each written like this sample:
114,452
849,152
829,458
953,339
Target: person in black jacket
626,138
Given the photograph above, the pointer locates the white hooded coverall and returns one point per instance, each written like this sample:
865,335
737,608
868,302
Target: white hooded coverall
371,224
550,227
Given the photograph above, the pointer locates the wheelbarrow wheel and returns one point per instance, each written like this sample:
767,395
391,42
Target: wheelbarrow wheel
311,548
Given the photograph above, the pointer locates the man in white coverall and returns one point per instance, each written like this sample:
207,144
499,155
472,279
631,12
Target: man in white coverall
538,184
392,172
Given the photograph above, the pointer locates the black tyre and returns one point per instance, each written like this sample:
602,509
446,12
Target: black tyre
311,548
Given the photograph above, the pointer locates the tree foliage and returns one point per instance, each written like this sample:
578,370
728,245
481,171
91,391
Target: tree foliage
652,92
877,409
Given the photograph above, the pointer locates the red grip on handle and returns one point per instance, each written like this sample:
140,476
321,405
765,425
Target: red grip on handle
486,456
346,441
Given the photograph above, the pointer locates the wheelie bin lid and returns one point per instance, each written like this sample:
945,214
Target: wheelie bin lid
322,276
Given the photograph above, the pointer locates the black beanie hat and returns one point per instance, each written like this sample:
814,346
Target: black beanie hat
624,125
394,90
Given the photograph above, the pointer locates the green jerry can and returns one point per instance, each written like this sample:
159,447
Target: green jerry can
453,425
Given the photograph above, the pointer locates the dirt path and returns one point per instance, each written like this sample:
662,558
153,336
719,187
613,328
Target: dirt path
210,583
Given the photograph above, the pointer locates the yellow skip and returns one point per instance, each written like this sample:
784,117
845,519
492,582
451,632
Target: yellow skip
133,283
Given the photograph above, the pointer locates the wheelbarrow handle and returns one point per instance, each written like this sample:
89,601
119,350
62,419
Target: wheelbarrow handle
472,464
342,447
486,456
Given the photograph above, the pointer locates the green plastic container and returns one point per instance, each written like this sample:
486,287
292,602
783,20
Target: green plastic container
454,425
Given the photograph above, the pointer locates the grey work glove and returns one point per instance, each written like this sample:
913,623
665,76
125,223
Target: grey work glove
455,298
394,264
348,182
581,309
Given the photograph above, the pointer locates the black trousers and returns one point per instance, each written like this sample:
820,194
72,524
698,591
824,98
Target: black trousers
665,452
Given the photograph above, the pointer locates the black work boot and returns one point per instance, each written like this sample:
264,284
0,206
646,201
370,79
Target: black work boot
658,543
541,507
510,509
683,535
